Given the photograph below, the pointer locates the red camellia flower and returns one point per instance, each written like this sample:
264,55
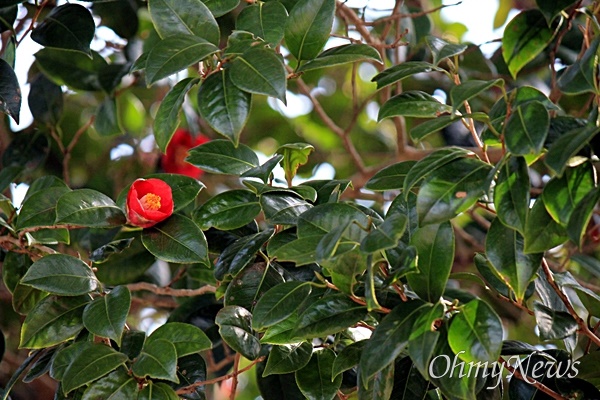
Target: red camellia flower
174,159
149,201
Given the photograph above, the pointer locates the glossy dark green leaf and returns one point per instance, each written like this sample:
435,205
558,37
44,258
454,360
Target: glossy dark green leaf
527,128
552,8
40,367
511,193
542,232
450,384
8,15
128,266
107,121
315,379
344,269
235,328
64,357
392,334
187,338
224,107
475,334
251,284
424,337
390,178
301,251
553,324
308,27
401,71
448,191
435,247
581,216
589,298
442,49
328,191
579,76
93,362
260,71
562,194
505,250
469,89
278,303
117,384
157,391
61,274
344,54
40,208
380,386
88,208
106,315
426,128
120,16
177,239
52,321
14,266
175,53
158,359
525,36
185,17
323,218
191,369
45,100
386,235
348,358
132,343
167,116
329,244
567,146
413,103
281,333
492,278
222,157
228,210
282,208
10,92
218,8
69,26
294,155
264,20
74,69
240,253
25,298
329,315
288,358
264,171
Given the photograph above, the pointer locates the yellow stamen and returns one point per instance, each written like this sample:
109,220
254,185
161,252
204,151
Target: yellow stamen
150,201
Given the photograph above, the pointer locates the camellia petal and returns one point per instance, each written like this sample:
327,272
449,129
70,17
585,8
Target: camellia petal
149,201
173,161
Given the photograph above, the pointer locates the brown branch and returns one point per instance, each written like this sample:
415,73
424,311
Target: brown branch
398,16
234,379
167,291
33,21
538,385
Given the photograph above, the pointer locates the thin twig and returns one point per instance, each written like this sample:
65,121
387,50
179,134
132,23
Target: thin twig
167,291
234,379
538,385
33,21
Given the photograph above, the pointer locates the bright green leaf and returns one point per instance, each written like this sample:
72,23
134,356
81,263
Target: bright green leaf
511,193
308,27
344,54
228,210
187,338
222,157
106,315
185,17
235,328
158,359
88,208
315,379
61,274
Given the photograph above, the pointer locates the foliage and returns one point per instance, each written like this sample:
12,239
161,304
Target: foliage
462,231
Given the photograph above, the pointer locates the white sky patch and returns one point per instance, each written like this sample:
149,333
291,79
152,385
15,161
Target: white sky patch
122,150
17,193
297,105
440,95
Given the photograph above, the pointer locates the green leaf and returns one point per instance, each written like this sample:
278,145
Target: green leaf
218,8
469,89
157,391
542,232
505,250
391,177
282,333
264,20
392,334
288,358
315,379
435,247
107,118
553,324
61,274
448,191
348,358
64,357
278,303
344,54
380,387
167,116
39,209
329,315
240,253
259,71
14,266
567,146
562,194
441,49
264,172
158,360
475,334
191,369
106,315
329,244
224,107
235,329
294,155
300,251
228,210
183,188
424,337
323,218
413,103
185,17
344,269
579,77
222,157
402,71
251,284
511,193
527,128
187,338
73,69
52,321
132,343
116,385
177,239
426,128
10,92
69,26
525,36
282,208
45,100
89,208
386,235
308,27
94,361
175,53
25,298
450,386
553,8
581,216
